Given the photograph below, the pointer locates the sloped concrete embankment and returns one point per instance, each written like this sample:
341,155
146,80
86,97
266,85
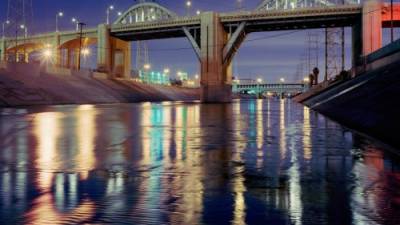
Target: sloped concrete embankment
24,84
368,103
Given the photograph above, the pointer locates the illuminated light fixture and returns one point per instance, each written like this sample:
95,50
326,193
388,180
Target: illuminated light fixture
306,79
147,66
167,70
282,80
85,51
119,13
188,3
198,12
47,53
259,80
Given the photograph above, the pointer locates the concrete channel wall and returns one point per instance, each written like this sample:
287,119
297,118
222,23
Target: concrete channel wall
31,84
370,101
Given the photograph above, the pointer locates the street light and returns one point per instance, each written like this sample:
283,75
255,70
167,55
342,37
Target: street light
188,5
119,13
147,66
282,80
85,52
198,12
25,28
4,27
167,70
74,20
111,7
59,14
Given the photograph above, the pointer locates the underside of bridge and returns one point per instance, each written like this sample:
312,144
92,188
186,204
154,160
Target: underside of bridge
214,37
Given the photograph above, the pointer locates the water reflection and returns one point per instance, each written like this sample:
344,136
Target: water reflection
251,162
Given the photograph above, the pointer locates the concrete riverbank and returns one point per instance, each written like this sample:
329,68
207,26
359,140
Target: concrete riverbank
368,102
26,84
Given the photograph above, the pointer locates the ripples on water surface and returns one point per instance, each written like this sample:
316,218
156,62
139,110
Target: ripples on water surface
250,162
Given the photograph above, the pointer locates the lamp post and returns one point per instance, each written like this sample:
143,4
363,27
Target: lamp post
4,27
111,7
259,81
188,5
25,28
59,14
282,80
76,22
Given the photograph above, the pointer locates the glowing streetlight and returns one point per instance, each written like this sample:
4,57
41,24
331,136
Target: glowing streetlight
196,76
167,71
147,66
119,13
4,27
198,12
111,7
188,5
282,80
306,79
47,54
85,52
259,80
25,28
76,22
59,14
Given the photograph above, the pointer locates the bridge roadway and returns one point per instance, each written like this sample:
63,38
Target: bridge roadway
301,18
279,88
215,37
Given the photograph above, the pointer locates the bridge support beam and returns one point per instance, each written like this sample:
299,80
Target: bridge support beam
217,48
113,55
121,58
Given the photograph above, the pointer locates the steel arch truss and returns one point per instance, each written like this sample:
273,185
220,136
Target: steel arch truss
145,12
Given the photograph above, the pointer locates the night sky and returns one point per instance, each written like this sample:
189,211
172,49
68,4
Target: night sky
267,55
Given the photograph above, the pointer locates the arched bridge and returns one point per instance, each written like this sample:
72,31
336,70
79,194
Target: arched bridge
215,37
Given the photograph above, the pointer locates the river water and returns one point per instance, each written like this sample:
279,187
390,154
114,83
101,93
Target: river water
250,162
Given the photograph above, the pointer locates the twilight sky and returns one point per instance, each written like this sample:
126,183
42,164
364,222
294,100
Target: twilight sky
269,55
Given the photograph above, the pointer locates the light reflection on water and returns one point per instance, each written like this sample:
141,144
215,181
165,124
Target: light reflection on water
250,162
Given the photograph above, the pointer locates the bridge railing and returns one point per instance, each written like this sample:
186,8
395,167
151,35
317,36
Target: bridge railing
268,5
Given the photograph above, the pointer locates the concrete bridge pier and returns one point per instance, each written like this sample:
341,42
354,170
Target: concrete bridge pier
113,54
367,32
56,46
216,77
215,52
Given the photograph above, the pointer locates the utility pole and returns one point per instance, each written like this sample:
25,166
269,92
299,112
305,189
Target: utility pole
80,43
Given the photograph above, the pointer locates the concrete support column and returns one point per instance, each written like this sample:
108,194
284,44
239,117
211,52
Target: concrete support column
68,60
372,26
216,77
357,43
104,58
121,58
2,50
56,46
76,58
